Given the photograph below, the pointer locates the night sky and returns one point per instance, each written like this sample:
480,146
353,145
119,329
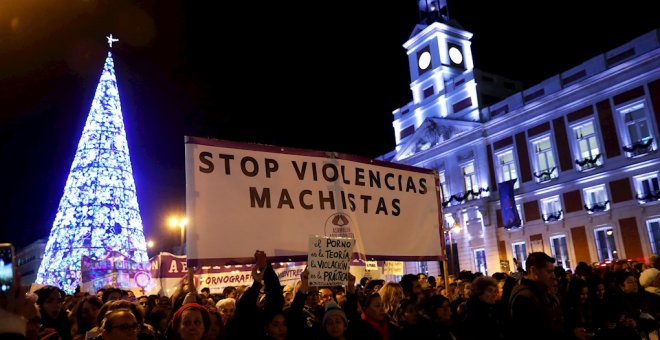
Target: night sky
318,75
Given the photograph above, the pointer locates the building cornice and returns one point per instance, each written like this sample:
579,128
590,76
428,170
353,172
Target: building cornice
598,87
432,29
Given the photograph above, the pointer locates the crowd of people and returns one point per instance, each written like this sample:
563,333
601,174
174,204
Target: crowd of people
542,301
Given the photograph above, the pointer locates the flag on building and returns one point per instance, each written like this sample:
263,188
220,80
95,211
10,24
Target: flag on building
510,215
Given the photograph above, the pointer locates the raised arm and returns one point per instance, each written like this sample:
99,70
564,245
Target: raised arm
274,301
243,324
351,305
191,296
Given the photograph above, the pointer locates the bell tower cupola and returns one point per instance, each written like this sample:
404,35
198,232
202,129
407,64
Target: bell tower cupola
441,71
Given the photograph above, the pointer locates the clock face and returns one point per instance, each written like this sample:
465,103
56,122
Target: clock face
424,60
455,55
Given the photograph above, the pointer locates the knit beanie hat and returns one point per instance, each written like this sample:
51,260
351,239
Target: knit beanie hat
648,276
332,308
176,318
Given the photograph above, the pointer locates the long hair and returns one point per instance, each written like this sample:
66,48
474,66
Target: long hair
83,325
391,294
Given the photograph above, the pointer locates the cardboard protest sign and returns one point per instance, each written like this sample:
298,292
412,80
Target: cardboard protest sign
371,265
393,268
328,260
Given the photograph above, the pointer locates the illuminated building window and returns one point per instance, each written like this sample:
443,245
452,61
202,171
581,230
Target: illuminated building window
647,187
520,213
552,211
559,250
638,135
586,141
605,244
443,186
595,199
653,228
449,221
480,261
507,166
407,131
470,180
520,252
546,168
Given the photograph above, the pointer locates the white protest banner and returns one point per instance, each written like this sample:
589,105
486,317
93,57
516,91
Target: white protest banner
328,259
241,197
393,268
168,270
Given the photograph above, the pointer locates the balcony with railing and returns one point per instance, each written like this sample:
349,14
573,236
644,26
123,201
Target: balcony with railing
648,197
639,148
589,163
545,175
552,217
597,207
463,197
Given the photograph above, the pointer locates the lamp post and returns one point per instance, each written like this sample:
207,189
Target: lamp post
456,227
179,222
451,250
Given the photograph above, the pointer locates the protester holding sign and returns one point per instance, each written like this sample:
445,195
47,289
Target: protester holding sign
304,313
186,292
249,313
192,296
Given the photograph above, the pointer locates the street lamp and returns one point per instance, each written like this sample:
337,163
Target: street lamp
179,222
455,227
150,246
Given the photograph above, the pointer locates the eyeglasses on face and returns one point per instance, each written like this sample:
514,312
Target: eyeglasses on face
127,327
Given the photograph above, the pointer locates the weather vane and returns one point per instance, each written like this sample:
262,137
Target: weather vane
111,40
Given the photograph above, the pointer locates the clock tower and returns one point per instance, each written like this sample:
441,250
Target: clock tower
441,72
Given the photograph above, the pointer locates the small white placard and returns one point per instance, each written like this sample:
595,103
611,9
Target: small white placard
328,260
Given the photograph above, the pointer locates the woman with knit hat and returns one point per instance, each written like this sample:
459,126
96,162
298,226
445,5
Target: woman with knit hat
190,322
334,322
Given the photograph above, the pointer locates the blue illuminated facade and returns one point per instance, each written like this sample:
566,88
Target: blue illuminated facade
581,149
99,211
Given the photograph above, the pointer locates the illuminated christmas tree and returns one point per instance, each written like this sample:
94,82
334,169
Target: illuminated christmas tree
98,213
